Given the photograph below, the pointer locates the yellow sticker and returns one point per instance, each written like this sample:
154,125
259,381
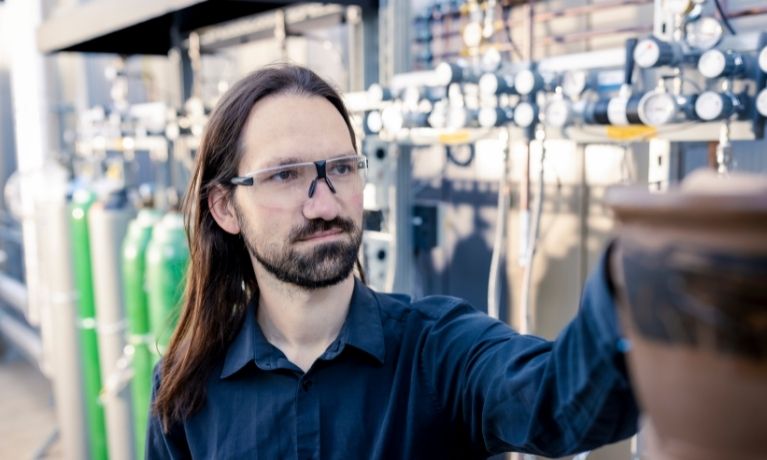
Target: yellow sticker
631,132
455,137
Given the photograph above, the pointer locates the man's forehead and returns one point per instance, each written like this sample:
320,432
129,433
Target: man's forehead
291,128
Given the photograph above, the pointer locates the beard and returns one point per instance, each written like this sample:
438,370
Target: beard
316,267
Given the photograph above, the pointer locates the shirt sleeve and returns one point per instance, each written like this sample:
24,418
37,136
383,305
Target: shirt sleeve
513,392
159,444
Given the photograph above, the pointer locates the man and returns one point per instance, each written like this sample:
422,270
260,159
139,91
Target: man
281,352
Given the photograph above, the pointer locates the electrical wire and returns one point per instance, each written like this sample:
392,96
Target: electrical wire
725,20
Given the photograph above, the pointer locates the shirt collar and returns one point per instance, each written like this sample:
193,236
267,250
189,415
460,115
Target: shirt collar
362,330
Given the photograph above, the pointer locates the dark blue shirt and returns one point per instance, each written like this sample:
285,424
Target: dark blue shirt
430,379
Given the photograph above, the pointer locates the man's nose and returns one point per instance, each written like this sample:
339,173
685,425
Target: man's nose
323,204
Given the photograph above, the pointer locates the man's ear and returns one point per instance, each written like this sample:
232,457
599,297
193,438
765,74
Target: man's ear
222,208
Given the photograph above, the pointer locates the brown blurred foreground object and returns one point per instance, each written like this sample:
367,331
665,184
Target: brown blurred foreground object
691,275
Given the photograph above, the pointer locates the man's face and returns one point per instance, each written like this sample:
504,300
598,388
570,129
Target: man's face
310,242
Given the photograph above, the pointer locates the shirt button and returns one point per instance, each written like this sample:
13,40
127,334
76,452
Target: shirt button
306,385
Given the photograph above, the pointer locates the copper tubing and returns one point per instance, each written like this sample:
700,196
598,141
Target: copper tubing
578,36
754,11
543,16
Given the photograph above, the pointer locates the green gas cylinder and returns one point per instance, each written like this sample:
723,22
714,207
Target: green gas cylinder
166,261
137,310
82,200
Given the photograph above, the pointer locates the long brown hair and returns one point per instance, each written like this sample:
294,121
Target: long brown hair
220,278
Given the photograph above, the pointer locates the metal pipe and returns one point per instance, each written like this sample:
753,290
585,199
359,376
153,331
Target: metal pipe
588,34
108,223
14,293
29,113
753,11
22,336
582,10
531,30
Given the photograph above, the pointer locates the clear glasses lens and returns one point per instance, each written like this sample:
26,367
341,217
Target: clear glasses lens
292,182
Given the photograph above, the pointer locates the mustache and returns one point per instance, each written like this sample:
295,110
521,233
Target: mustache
320,225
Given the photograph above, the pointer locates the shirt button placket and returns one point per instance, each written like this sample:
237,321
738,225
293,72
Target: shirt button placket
307,420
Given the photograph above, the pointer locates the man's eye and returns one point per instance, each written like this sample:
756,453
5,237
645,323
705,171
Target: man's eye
284,175
342,169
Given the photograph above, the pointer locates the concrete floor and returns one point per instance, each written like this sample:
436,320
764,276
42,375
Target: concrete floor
27,417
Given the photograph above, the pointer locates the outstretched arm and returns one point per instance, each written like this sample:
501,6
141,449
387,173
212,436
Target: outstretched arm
522,393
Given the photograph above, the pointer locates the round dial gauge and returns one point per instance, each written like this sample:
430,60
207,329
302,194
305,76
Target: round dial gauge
558,113
524,114
376,93
392,119
761,102
488,117
712,64
679,6
647,53
574,83
374,122
489,83
704,33
763,59
447,73
713,106
527,82
657,108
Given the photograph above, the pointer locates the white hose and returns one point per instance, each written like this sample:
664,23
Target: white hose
528,319
499,242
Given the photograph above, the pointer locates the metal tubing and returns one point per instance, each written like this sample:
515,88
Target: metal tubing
22,336
14,293
30,120
108,223
65,362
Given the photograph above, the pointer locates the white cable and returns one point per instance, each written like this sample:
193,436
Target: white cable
499,242
527,324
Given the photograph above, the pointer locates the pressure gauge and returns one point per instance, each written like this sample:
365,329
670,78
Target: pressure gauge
704,33
377,93
392,119
472,34
657,108
525,114
558,113
761,102
763,59
574,83
652,52
373,122
448,73
494,116
527,82
712,106
717,63
492,83
679,7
